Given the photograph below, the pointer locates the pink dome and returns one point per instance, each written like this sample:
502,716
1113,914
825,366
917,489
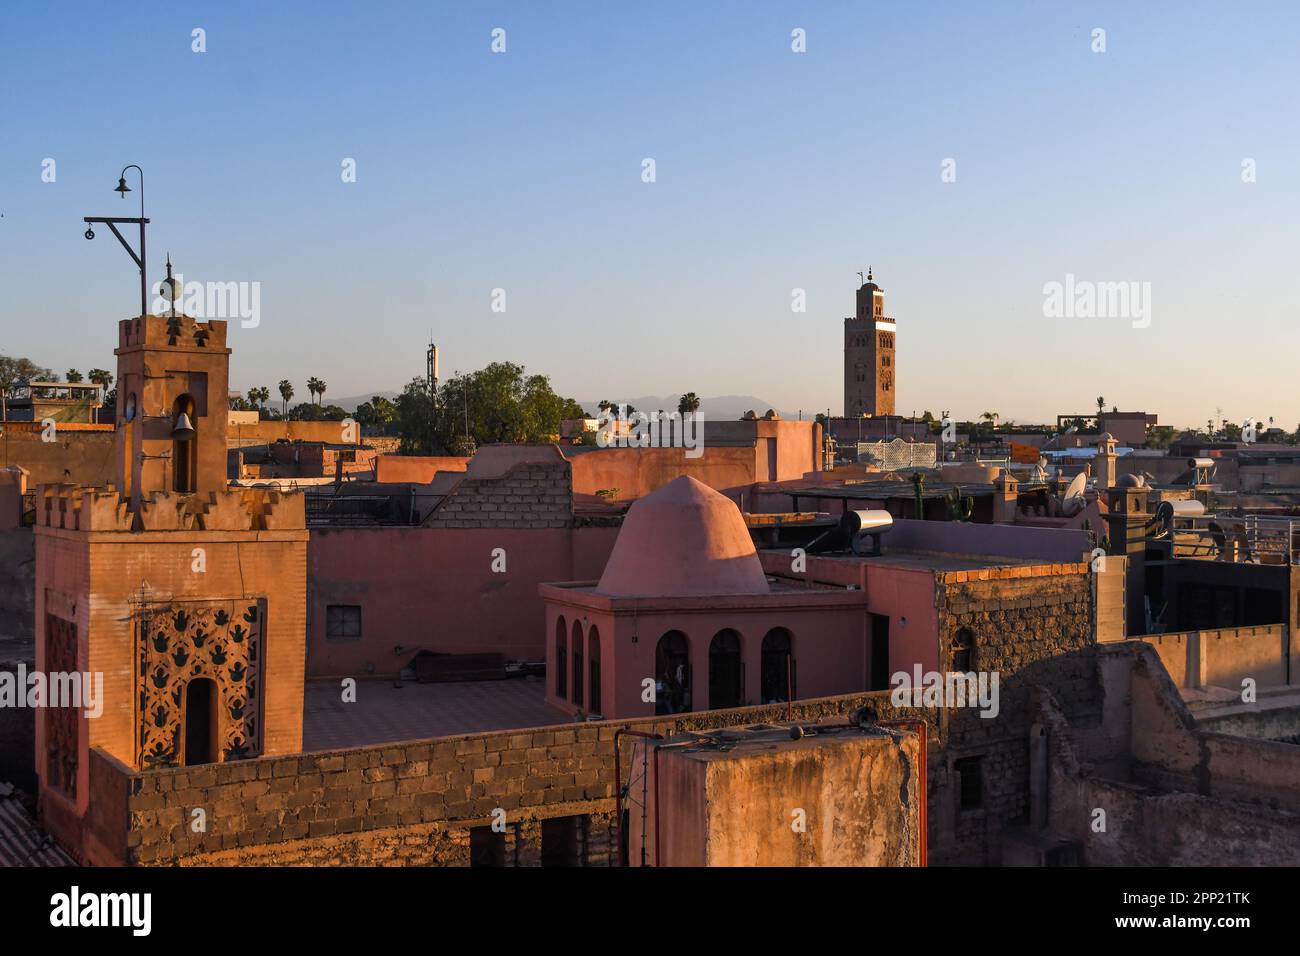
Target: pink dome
683,539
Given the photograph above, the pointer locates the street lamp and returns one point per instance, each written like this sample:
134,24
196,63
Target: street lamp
112,223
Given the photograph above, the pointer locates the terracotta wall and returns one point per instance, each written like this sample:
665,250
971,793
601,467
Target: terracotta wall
92,579
635,472
435,588
420,470
268,432
828,642
81,456
1226,656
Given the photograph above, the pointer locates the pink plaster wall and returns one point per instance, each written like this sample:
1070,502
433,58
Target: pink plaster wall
829,643
434,588
636,472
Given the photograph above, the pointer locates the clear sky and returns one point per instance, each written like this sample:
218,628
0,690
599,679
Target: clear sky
774,171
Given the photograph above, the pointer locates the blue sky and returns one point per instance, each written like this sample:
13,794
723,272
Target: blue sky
775,171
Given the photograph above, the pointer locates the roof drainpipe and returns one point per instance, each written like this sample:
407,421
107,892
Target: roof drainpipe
920,725
618,789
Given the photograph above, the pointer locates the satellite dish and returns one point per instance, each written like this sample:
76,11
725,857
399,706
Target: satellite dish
1074,501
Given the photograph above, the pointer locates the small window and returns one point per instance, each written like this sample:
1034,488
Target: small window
486,847
963,651
971,772
343,622
564,841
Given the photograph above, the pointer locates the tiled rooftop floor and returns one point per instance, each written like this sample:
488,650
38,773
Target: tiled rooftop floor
383,713
22,842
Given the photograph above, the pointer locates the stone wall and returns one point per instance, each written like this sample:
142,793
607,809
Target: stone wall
1031,626
535,494
410,803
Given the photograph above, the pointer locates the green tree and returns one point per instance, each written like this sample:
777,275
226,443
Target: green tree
499,403
379,412
690,402
73,376
286,393
16,373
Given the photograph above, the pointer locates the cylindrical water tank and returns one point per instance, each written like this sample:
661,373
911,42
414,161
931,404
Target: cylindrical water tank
874,521
1189,508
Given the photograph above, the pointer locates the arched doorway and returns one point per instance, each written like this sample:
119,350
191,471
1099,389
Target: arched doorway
561,659
672,674
200,721
778,673
577,663
593,685
726,683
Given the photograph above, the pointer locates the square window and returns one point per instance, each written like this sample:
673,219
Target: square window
343,622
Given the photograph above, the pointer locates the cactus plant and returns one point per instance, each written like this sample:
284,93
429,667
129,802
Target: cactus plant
960,506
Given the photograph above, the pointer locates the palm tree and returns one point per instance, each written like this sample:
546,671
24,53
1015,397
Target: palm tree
73,376
690,402
320,391
315,387
286,393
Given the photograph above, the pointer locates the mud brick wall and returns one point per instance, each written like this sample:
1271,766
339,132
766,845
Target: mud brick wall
530,495
1032,626
399,804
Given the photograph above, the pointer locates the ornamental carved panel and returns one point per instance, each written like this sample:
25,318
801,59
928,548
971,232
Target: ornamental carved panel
62,724
180,642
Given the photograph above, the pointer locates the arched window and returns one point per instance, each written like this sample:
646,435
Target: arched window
963,651
184,446
561,659
778,666
577,663
672,674
725,670
593,685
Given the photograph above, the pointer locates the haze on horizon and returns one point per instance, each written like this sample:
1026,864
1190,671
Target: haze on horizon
775,171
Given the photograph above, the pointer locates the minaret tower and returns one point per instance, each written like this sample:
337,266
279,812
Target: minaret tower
869,355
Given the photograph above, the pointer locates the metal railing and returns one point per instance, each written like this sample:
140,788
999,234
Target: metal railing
1254,539
368,510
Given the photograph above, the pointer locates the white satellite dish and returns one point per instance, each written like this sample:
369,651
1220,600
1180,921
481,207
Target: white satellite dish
1074,501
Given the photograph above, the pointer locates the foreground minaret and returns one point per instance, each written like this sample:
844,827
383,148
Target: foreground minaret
179,599
869,355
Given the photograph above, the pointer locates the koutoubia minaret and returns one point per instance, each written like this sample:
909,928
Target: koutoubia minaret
869,355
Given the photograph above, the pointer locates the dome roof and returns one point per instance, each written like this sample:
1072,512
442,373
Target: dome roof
683,539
